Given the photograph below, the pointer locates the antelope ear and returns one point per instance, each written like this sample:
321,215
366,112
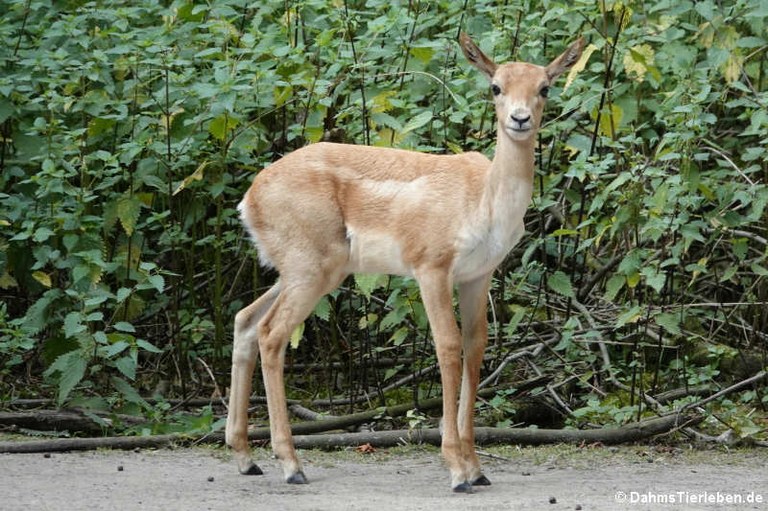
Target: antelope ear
566,60
476,57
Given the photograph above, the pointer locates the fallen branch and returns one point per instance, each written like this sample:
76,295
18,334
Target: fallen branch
672,395
315,422
483,436
191,403
91,444
753,379
306,414
64,420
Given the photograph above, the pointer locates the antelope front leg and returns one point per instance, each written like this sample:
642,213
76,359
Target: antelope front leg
436,292
474,328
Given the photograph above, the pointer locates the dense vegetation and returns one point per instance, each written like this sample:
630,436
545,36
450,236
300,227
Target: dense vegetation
130,130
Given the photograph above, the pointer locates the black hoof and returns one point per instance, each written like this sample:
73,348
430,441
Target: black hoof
481,481
252,470
297,478
464,487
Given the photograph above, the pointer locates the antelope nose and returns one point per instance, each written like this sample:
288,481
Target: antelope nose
520,119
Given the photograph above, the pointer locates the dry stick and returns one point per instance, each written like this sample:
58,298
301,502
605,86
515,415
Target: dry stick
176,403
679,393
303,428
483,436
653,402
525,352
216,388
367,397
551,389
308,415
61,420
753,379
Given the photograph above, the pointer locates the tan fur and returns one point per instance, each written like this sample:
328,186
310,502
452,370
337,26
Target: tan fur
328,210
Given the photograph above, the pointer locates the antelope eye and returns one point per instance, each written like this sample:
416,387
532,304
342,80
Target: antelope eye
544,91
495,89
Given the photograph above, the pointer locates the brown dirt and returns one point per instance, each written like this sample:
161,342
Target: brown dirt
411,478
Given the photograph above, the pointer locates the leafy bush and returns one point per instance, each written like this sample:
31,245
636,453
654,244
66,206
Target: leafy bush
130,131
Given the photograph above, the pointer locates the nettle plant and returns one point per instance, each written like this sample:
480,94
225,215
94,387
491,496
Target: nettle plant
129,134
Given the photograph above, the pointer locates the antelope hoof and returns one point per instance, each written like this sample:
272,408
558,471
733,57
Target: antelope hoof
481,481
252,469
297,478
464,487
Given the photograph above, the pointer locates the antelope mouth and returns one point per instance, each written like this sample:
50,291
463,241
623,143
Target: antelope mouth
518,131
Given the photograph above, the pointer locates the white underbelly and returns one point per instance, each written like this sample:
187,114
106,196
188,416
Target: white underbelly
375,252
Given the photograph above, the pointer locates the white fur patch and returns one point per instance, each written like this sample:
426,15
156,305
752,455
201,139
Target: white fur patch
264,258
484,243
374,252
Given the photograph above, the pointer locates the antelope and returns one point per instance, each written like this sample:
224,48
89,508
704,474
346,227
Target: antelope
329,210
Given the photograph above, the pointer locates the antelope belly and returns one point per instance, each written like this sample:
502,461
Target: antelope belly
375,252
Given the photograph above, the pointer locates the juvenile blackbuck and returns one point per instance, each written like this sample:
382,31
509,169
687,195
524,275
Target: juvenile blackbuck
328,210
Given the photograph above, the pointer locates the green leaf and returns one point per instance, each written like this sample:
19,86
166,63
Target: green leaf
221,125
417,122
123,293
560,283
148,346
296,335
613,286
38,314
423,53
706,9
367,320
367,282
654,278
43,278
323,309
128,210
42,234
71,368
517,317
124,326
129,393
631,262
157,281
400,335
127,365
630,316
80,272
669,322
113,349
73,324
394,318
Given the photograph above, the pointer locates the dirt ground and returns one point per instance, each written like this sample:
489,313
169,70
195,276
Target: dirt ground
410,478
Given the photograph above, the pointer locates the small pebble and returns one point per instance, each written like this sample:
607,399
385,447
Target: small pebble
552,500
210,479
578,507
47,455
119,468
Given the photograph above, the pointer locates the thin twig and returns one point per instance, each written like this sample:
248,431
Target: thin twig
753,379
